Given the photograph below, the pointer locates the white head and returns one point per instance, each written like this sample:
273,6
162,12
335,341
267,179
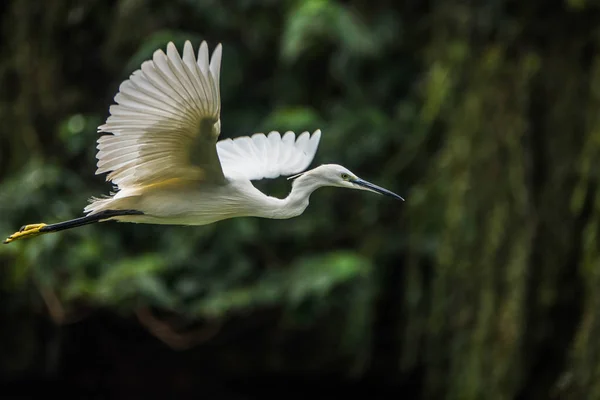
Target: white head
338,176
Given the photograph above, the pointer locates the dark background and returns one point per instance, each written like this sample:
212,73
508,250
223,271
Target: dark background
484,115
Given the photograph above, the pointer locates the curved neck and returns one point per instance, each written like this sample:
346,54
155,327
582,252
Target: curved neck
297,201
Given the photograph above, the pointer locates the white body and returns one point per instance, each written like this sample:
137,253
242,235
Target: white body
203,204
163,156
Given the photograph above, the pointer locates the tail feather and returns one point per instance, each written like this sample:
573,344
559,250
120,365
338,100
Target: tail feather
97,204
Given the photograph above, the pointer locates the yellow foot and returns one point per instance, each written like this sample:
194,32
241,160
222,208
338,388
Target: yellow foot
25,232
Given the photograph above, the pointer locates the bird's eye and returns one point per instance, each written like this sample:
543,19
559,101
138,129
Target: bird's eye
345,176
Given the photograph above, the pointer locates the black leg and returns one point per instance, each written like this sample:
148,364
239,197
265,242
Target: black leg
38,229
89,219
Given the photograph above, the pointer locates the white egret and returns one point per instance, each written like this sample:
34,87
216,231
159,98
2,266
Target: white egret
162,155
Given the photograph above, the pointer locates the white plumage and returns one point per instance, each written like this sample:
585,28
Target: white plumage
161,111
269,156
159,148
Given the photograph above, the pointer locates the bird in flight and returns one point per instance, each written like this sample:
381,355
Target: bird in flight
162,154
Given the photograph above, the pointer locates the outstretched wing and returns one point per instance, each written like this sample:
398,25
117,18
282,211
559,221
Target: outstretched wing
166,121
258,156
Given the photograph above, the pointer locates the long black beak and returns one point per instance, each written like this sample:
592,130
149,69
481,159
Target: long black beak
375,188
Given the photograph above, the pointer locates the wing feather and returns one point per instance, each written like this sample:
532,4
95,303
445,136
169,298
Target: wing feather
259,156
166,121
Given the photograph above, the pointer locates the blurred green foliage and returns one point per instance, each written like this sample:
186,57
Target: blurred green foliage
483,115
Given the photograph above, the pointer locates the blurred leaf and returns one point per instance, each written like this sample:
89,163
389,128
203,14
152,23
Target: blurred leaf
76,132
315,21
154,290
317,276
310,277
296,119
124,281
159,40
